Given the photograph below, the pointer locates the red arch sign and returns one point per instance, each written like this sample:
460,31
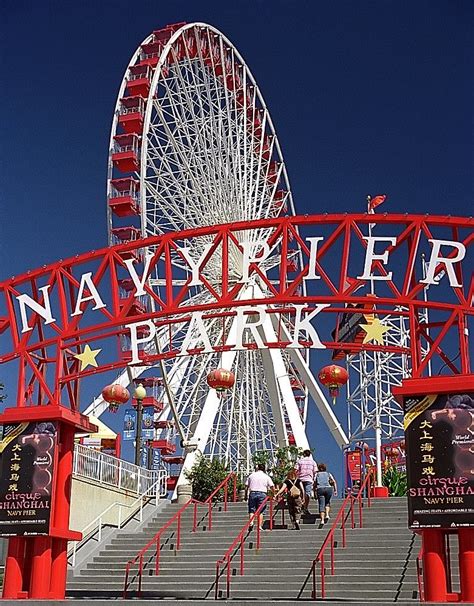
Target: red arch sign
311,268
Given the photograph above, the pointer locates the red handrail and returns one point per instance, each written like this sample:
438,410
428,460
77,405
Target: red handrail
239,543
341,517
177,517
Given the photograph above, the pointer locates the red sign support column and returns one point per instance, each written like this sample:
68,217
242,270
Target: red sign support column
36,566
435,580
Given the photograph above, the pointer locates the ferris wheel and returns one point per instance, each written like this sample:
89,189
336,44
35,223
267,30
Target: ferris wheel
192,145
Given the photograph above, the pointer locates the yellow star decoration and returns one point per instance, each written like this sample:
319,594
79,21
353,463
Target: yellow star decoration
375,331
87,357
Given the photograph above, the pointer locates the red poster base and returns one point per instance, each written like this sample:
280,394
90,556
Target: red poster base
36,566
380,492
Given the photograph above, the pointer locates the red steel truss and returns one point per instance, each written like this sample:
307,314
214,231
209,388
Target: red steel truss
48,372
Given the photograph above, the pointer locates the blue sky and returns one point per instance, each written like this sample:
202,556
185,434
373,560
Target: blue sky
367,97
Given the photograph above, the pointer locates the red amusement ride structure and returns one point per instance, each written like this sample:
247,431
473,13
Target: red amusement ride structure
208,268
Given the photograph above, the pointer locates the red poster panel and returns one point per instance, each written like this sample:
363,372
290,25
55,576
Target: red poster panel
354,465
27,452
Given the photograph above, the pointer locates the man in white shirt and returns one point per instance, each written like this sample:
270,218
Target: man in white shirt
256,488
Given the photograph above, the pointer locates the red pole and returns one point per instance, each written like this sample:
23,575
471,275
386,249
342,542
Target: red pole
13,582
323,588
332,554
61,511
40,567
57,586
210,515
195,517
434,566
466,563
125,585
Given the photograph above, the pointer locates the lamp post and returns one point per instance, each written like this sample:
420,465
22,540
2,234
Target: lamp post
139,394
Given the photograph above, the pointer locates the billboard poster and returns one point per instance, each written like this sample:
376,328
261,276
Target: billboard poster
129,424
439,432
156,459
27,454
148,426
354,466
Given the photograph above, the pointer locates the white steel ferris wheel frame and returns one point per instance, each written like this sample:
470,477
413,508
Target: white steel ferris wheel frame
261,411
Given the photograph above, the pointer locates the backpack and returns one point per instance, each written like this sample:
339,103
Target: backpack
295,491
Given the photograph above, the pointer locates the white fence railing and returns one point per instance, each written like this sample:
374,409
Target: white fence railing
113,516
108,470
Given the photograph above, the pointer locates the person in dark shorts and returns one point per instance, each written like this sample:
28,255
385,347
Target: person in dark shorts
256,488
325,486
294,489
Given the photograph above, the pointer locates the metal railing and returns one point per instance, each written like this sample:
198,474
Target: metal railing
239,545
94,528
155,543
342,517
108,470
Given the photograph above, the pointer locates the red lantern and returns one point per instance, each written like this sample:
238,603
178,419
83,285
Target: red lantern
220,379
391,453
115,395
333,377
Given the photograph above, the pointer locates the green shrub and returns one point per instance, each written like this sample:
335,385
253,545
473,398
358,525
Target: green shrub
395,481
205,476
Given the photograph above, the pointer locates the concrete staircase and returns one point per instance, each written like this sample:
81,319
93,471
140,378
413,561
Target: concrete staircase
378,563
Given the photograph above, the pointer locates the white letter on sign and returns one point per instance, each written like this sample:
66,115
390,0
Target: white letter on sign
94,296
252,253
44,312
195,334
244,321
313,253
139,284
195,267
135,341
371,256
304,324
448,262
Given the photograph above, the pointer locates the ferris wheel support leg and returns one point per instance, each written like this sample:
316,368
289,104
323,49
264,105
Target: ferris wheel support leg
280,374
208,413
274,398
315,391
